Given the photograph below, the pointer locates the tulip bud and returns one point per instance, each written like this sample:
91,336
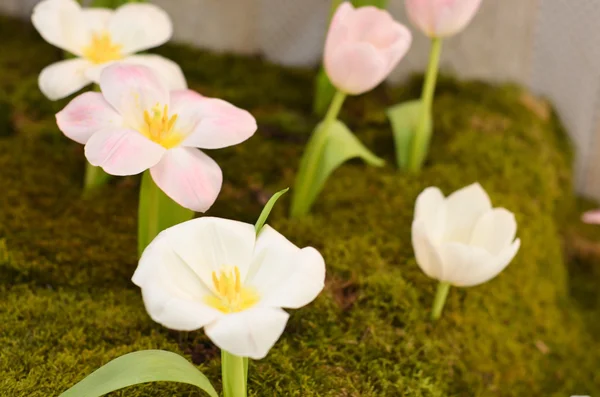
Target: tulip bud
441,18
363,46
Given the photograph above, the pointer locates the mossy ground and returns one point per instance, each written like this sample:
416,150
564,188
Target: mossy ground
67,305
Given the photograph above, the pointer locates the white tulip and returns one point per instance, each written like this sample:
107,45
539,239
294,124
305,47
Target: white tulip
461,240
216,274
99,37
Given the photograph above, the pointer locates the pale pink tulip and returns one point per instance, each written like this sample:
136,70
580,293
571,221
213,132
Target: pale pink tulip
592,217
363,46
441,18
136,124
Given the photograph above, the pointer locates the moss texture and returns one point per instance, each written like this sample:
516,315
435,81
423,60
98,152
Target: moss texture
67,304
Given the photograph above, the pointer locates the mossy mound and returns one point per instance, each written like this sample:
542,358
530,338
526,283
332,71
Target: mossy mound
67,304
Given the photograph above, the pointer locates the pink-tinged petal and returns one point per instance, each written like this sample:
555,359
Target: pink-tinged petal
62,24
63,78
355,68
210,123
133,89
338,32
250,333
97,19
169,71
139,27
592,217
85,115
189,177
441,18
121,151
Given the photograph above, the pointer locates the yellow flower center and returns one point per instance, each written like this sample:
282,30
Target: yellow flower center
102,49
158,126
231,295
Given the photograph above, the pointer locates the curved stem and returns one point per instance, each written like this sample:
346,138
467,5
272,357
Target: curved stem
440,300
233,370
420,138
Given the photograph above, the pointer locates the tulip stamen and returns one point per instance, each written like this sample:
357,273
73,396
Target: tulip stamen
158,126
231,296
102,49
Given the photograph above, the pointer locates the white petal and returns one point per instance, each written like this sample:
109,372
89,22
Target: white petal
139,27
189,177
426,254
463,264
133,89
207,244
495,230
86,115
62,24
97,19
173,294
169,71
430,208
250,333
121,151
63,78
463,209
482,274
283,274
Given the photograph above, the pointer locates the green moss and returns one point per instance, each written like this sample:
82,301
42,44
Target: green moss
67,304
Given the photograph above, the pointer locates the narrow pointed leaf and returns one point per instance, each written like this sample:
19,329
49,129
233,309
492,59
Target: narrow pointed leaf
325,152
156,212
262,219
324,92
140,367
405,119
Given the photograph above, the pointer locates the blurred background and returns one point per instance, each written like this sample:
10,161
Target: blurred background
550,46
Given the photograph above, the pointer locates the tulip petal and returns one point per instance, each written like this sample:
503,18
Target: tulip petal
62,24
189,177
85,115
63,78
485,272
131,90
426,254
283,274
169,71
250,333
139,27
356,68
208,244
210,123
430,208
173,293
495,230
121,151
462,264
441,18
97,19
592,217
464,208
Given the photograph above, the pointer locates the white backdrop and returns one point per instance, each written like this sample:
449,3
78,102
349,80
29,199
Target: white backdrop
548,45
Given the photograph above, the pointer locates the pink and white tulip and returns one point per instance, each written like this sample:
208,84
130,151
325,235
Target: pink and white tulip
591,217
441,18
99,37
136,124
363,46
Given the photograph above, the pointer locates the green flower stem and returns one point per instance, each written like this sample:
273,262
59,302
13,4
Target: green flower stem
420,139
94,178
308,163
440,300
233,370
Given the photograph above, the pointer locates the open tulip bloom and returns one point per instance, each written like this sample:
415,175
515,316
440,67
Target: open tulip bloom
136,124
412,121
98,37
363,46
461,240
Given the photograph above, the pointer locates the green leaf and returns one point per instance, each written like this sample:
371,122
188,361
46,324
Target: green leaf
405,120
267,210
324,92
140,367
156,212
377,3
94,178
327,149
